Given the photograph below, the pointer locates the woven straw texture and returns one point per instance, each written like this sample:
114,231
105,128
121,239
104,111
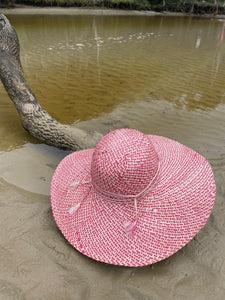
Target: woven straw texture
179,194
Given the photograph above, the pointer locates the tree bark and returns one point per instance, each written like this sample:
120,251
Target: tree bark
34,118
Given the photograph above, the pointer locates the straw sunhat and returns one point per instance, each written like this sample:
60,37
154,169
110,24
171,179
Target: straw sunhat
133,200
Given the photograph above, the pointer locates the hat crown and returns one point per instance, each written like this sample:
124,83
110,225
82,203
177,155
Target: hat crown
124,162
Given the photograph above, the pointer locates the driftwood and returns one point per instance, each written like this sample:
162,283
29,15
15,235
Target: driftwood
34,117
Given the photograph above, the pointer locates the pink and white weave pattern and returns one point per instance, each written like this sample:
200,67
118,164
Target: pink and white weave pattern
173,185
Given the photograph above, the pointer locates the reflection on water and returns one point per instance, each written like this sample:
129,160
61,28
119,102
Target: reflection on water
90,69
80,67
160,75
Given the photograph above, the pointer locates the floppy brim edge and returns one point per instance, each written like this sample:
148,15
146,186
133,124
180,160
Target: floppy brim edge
78,156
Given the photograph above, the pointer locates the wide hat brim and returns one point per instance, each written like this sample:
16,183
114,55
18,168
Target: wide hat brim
169,216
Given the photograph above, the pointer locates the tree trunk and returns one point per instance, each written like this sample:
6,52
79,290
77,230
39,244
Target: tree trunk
34,118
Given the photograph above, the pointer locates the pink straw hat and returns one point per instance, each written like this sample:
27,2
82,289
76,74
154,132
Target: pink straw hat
133,200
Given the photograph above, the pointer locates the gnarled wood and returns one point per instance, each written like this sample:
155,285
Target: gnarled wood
34,117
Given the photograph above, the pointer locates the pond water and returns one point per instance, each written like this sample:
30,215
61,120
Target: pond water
160,75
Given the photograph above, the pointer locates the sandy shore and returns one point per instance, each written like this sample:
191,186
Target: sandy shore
32,10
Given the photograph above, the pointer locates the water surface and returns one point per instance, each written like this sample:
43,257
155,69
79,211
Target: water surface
160,75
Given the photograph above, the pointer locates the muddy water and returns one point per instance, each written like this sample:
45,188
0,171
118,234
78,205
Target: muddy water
160,75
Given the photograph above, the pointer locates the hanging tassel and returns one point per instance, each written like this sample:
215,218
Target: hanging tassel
73,209
75,184
130,226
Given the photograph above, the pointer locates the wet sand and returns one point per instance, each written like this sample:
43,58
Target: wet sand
38,263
